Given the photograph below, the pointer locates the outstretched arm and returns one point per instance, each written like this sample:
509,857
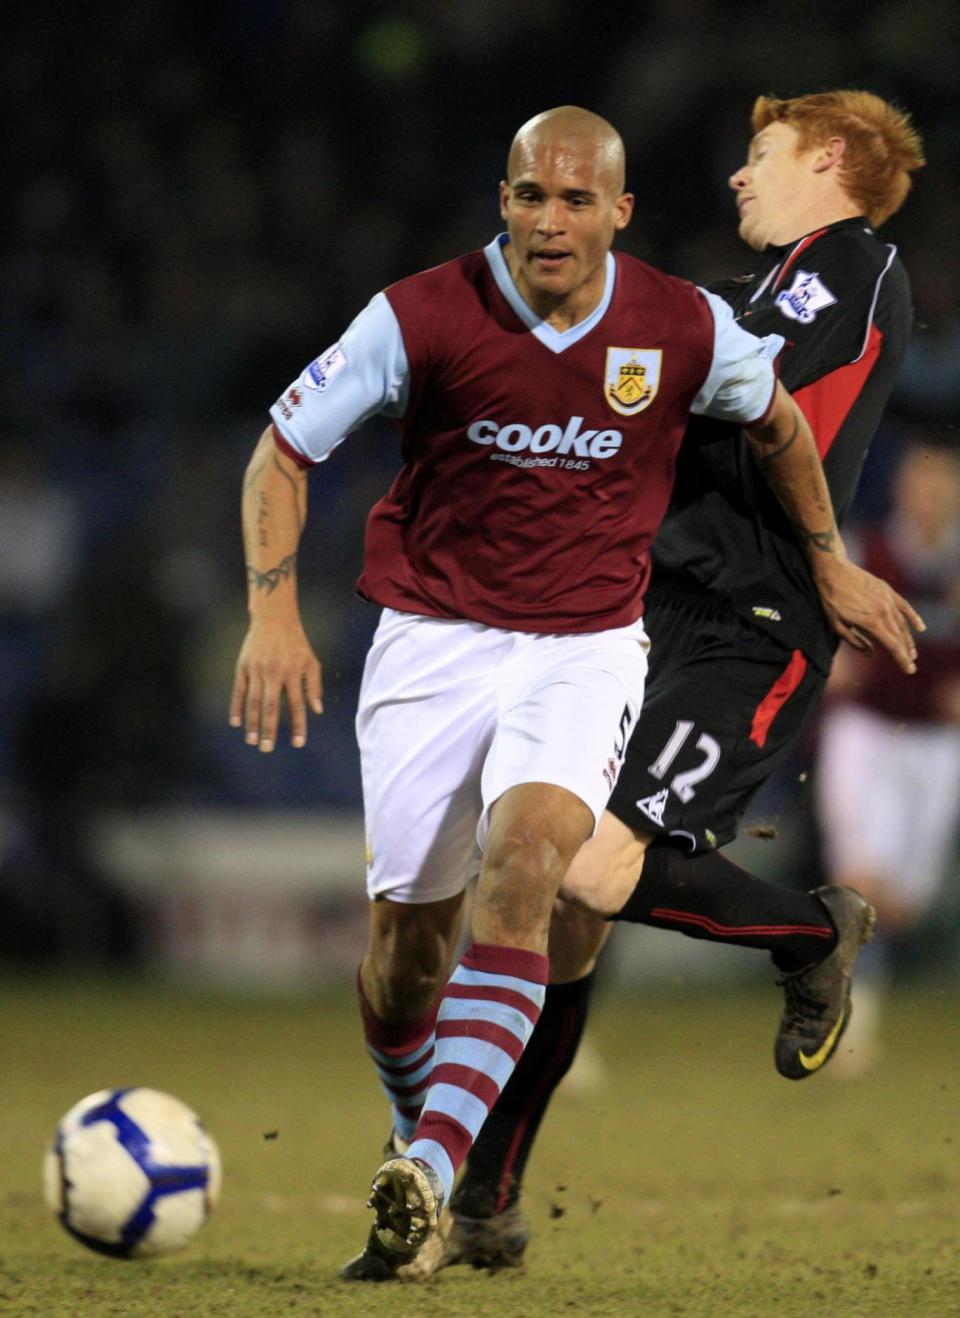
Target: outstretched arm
276,661
860,607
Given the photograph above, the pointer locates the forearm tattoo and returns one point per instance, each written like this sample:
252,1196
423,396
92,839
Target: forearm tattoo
271,579
266,501
782,484
825,541
254,475
768,459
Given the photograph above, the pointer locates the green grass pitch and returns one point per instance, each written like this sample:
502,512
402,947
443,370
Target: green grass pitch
694,1182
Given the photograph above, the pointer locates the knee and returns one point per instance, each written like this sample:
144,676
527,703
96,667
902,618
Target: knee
518,883
399,987
407,963
535,830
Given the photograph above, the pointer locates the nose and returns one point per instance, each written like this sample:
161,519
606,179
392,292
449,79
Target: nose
740,178
551,216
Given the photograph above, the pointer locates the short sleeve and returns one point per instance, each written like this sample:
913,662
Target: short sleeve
362,374
741,380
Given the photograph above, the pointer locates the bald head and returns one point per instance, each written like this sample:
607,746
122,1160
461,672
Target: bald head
570,131
563,201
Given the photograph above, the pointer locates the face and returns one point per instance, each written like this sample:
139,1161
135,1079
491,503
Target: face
562,206
774,187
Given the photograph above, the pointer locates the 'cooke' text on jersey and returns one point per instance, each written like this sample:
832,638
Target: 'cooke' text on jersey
569,440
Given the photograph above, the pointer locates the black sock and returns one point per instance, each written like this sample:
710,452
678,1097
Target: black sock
492,1178
708,896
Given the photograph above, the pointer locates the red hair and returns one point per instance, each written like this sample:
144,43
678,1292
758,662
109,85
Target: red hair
881,144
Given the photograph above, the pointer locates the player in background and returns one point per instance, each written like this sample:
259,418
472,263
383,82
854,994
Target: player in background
888,769
741,646
542,387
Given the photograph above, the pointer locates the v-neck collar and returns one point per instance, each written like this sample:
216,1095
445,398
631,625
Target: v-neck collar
554,339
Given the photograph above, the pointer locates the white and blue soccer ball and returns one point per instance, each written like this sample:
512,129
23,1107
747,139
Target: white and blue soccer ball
132,1172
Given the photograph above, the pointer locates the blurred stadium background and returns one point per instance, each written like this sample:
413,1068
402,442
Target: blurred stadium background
197,200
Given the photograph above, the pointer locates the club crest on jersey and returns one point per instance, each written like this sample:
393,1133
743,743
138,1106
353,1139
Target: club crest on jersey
806,296
632,378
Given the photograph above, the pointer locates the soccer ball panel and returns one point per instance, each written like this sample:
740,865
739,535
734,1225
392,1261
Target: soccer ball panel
173,1128
176,1218
102,1185
132,1172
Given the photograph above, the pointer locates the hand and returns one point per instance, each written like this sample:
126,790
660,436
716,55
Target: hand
863,609
275,660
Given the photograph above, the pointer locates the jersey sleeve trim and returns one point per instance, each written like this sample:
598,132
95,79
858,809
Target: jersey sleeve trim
286,447
758,421
740,383
891,257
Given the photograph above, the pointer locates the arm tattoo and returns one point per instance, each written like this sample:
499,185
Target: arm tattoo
296,483
254,475
271,579
825,541
768,460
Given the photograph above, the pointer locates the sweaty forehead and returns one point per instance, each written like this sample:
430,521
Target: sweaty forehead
593,161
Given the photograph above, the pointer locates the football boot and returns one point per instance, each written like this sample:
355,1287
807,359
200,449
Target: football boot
817,1007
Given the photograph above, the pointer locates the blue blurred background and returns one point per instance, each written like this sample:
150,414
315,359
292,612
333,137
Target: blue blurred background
197,199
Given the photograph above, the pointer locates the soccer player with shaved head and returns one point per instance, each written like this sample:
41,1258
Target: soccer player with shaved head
542,388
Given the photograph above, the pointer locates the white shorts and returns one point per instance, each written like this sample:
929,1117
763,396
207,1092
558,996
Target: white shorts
888,797
452,714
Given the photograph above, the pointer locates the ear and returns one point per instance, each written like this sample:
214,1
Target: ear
504,198
623,210
829,155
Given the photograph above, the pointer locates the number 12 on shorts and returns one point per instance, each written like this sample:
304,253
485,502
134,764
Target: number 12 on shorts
684,785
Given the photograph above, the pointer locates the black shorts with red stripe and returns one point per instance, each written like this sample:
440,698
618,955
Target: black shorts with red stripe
723,709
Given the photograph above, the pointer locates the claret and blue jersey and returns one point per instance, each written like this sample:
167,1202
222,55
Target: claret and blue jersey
537,464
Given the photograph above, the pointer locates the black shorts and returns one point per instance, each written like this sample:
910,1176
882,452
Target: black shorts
723,709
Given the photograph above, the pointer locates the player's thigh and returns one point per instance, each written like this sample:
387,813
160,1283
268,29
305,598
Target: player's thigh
714,728
567,713
425,721
605,870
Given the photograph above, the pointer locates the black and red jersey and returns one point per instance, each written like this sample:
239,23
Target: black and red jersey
841,299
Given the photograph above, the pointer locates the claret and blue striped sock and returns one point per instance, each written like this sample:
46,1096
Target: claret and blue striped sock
403,1056
487,1015
493,1176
